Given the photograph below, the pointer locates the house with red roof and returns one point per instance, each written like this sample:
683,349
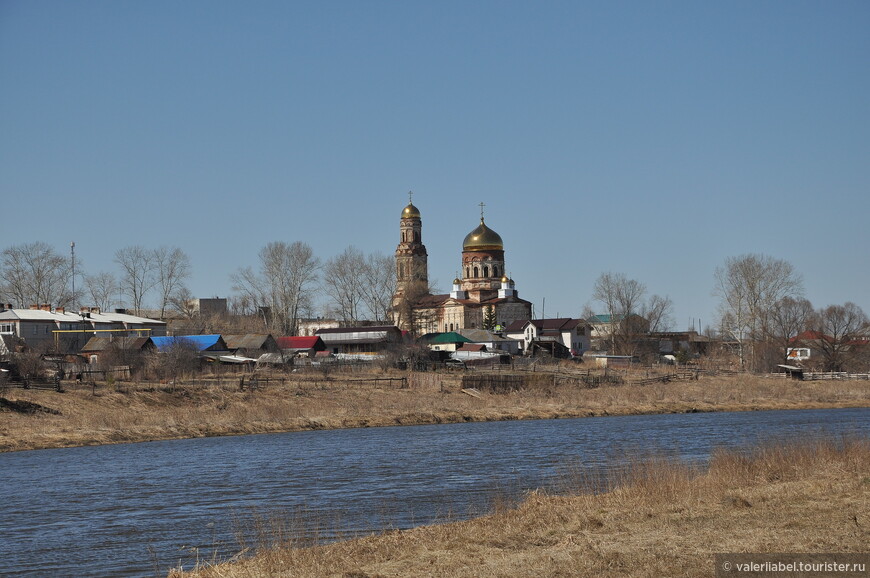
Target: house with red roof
301,346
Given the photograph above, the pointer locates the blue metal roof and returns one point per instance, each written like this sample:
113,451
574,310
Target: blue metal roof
200,342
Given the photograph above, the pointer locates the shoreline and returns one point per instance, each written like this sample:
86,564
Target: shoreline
654,519
80,418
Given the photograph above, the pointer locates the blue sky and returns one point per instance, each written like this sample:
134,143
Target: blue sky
653,139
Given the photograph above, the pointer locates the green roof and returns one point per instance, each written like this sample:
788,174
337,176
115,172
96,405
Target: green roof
450,337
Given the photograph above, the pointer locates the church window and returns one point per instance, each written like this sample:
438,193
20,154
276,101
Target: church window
486,270
495,271
475,272
416,237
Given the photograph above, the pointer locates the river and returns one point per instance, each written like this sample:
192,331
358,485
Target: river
141,509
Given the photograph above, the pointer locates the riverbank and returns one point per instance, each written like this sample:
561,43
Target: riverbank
37,419
658,519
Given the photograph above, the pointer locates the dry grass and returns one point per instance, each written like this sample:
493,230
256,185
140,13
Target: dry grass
152,411
659,519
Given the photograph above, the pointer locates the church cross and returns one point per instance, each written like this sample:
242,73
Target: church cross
481,210
410,197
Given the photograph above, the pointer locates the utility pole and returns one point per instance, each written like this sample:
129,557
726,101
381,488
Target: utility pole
72,251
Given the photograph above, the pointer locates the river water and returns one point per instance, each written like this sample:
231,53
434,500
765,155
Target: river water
141,509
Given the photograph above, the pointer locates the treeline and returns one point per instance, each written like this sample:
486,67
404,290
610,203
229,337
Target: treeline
762,312
284,285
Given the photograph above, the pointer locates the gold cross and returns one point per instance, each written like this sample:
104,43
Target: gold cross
410,197
481,210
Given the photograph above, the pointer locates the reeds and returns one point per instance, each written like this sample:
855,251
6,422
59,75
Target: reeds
645,517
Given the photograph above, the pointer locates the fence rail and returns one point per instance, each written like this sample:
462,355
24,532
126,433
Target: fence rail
824,376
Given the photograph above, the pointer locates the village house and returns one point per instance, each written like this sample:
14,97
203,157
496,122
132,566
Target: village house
561,337
301,346
60,330
492,341
117,348
251,345
360,341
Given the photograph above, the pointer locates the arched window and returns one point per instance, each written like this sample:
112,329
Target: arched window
495,271
475,272
416,237
486,270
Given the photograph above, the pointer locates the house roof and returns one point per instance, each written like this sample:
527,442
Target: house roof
449,337
71,317
247,341
606,318
811,335
483,336
300,342
472,347
201,342
372,329
360,335
103,343
557,324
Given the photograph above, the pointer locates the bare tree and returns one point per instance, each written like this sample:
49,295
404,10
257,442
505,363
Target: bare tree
748,287
172,268
34,273
283,288
406,313
788,319
138,273
380,283
624,300
841,328
658,311
100,289
344,278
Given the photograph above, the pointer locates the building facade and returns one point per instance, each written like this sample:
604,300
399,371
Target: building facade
483,296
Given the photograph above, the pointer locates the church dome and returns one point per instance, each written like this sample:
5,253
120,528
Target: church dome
483,239
411,212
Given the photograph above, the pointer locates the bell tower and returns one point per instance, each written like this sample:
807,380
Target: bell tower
412,268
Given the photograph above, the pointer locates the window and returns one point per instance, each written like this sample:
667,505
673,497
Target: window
486,270
7,329
475,272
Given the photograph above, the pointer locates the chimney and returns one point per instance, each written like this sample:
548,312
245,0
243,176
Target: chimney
9,306
60,310
95,310
34,307
46,307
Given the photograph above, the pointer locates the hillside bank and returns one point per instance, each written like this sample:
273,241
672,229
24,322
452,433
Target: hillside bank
128,412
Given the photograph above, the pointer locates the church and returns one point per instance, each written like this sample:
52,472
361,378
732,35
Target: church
484,298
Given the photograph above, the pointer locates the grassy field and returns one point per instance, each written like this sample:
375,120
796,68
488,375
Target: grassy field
658,519
132,412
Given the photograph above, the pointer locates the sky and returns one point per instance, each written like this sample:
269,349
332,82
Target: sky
652,139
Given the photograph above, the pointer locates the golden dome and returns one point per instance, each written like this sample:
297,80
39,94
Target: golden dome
411,212
483,239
